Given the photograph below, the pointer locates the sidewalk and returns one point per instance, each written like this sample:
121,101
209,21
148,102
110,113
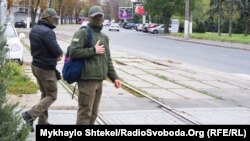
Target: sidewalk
181,86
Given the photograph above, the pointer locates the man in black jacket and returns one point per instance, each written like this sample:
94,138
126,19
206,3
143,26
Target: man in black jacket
45,52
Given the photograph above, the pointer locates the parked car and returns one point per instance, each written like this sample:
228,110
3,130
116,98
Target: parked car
21,23
149,26
159,29
114,26
130,26
14,45
139,27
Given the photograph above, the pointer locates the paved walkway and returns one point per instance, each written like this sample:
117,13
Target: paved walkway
207,96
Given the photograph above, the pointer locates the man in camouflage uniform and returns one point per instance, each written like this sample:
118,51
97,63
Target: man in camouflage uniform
98,66
45,52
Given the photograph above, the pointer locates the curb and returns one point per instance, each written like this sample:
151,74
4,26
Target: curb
210,44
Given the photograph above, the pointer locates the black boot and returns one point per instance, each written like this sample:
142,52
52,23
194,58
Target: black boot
28,120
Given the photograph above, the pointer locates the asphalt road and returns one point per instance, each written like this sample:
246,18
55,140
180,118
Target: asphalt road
234,61
222,59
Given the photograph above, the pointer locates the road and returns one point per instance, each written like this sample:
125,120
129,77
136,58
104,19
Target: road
221,59
234,61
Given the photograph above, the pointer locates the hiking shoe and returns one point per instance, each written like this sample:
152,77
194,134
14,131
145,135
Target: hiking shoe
29,120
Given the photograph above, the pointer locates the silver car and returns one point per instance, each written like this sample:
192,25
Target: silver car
14,45
159,29
114,26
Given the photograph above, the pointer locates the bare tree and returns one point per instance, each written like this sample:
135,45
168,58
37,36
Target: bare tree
33,10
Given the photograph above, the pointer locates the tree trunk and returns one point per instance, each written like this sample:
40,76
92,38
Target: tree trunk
166,21
34,12
50,3
219,16
230,18
247,18
60,10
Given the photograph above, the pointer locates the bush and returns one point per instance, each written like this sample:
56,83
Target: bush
11,128
239,27
20,84
200,28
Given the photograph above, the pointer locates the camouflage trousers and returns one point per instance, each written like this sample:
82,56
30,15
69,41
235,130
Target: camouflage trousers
47,82
88,101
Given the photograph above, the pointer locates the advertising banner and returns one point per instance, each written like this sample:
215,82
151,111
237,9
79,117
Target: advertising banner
138,8
125,13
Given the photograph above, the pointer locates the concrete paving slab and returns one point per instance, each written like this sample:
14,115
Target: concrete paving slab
197,76
196,85
161,93
221,85
126,103
130,59
111,92
140,66
239,83
132,71
137,117
234,115
160,82
190,94
142,84
168,75
201,103
126,77
238,97
157,66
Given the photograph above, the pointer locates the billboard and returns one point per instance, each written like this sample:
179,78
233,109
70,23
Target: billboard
138,8
125,13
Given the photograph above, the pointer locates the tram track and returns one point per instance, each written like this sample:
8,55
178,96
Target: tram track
162,106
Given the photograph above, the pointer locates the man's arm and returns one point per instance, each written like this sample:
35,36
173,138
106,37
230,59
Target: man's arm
77,46
51,43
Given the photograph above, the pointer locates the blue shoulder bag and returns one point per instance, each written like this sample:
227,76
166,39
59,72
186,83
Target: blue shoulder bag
72,68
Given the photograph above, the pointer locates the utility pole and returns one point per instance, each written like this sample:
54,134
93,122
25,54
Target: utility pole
187,19
29,15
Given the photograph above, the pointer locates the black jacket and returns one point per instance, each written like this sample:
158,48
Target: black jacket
44,47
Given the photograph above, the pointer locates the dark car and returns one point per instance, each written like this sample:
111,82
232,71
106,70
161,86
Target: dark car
21,23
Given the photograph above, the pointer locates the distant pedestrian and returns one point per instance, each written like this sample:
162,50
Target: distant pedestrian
46,53
98,66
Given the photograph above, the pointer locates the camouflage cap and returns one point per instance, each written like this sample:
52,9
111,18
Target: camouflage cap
49,12
95,10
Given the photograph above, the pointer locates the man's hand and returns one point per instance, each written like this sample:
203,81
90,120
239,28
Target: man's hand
99,49
118,83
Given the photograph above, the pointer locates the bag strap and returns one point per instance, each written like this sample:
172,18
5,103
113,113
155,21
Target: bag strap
88,44
89,36
67,52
